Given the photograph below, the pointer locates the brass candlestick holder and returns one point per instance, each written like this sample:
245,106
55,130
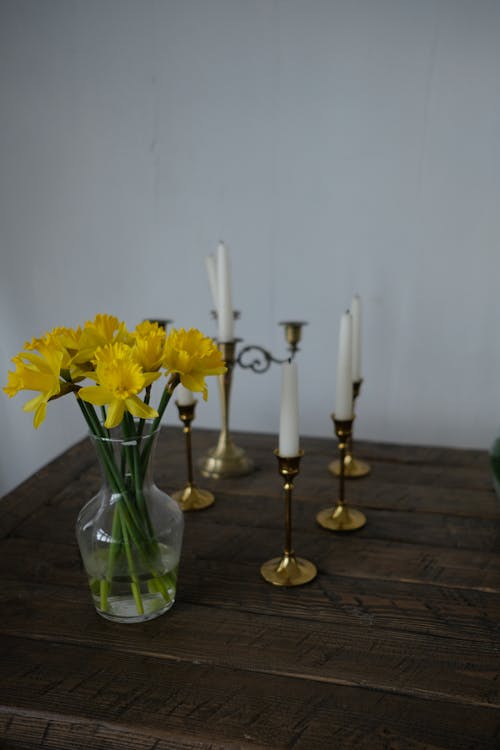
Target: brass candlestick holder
226,459
341,517
191,497
353,467
288,570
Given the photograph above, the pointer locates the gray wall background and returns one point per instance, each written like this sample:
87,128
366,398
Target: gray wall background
337,146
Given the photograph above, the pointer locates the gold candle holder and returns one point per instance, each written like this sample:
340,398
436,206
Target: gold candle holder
293,334
226,459
341,517
353,467
191,497
288,570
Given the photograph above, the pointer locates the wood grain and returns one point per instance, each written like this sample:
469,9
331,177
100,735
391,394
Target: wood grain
396,644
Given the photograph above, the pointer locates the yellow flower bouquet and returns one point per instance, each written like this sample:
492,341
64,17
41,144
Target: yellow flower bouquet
130,533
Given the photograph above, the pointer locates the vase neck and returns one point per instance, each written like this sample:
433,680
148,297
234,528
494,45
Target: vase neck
126,462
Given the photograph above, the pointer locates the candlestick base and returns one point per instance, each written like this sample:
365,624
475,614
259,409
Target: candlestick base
192,498
226,460
341,518
353,468
288,570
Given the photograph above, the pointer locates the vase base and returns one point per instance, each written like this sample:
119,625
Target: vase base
125,611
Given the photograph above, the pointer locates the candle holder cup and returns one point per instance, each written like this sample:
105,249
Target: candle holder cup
288,570
341,517
353,467
191,497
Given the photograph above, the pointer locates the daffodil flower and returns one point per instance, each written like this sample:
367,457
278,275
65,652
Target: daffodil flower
148,345
37,372
192,356
104,329
119,379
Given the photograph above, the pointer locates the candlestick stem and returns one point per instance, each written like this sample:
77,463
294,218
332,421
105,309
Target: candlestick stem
288,570
341,517
189,453
191,497
353,467
226,459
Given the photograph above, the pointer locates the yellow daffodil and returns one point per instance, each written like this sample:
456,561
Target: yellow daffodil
119,379
67,340
104,329
37,372
148,345
192,356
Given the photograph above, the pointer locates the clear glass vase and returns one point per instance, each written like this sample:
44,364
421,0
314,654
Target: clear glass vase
130,533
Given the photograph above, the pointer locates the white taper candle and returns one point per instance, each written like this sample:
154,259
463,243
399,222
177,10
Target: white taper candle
184,396
343,392
289,411
224,297
211,267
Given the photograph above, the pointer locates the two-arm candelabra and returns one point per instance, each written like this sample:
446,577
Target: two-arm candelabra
227,459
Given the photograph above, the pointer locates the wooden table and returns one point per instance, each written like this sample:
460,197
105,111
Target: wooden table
396,644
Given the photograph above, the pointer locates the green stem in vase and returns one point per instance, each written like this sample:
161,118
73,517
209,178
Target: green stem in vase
133,458
116,542
134,582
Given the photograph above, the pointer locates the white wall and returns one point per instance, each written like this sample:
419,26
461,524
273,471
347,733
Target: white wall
337,146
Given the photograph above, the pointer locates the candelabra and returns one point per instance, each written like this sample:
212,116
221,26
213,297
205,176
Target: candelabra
341,517
353,467
227,459
288,570
191,497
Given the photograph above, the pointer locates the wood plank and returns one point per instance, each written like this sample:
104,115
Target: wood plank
413,526
164,696
337,599
360,653
452,557
32,730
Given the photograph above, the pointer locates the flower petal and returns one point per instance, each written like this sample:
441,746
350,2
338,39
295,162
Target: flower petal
95,394
139,409
115,413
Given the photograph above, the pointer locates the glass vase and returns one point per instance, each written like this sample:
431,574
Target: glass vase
130,533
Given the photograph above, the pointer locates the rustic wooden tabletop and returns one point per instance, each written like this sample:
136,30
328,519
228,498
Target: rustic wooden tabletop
396,644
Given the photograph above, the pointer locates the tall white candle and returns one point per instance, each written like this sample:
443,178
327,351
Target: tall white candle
184,396
343,392
211,267
356,338
224,298
289,412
